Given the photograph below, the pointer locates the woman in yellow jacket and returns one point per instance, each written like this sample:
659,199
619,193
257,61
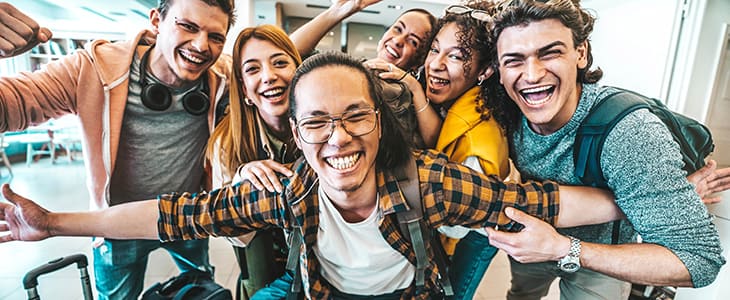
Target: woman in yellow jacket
457,64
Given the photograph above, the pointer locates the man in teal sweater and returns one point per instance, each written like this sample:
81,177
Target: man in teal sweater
544,59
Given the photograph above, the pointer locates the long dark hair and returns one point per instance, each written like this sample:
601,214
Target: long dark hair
394,149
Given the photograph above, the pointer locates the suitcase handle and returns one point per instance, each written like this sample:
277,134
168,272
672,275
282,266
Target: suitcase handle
30,280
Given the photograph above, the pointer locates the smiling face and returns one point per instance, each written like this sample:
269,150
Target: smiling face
446,77
344,163
266,73
538,65
400,43
190,39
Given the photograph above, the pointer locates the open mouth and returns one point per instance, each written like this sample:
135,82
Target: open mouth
436,83
192,57
274,94
392,52
343,162
537,95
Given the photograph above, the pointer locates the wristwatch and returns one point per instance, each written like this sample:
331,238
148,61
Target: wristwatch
571,262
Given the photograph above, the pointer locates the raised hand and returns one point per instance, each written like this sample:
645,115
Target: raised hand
349,7
537,242
24,219
18,32
710,180
263,174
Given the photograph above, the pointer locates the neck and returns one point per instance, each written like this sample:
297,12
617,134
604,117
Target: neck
355,205
279,126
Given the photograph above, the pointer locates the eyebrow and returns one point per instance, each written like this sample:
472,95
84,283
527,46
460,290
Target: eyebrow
318,113
197,27
541,50
275,55
420,39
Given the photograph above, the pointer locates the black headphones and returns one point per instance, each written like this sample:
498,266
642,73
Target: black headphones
157,96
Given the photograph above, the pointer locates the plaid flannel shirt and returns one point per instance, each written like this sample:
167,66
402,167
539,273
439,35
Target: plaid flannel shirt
451,193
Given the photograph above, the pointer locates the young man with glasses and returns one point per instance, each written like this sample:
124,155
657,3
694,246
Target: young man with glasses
146,107
342,198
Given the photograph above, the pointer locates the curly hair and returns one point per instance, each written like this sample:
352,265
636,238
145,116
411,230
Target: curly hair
568,12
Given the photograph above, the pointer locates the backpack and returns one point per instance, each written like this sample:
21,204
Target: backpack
412,226
189,285
694,139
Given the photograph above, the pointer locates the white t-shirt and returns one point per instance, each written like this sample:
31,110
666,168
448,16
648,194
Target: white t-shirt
355,258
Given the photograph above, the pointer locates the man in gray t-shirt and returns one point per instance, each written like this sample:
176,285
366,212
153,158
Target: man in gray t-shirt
544,62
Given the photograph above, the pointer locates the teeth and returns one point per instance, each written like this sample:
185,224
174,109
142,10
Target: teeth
392,52
191,58
537,95
273,92
536,90
437,80
341,163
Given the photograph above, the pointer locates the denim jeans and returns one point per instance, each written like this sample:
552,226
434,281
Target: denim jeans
276,289
119,265
471,258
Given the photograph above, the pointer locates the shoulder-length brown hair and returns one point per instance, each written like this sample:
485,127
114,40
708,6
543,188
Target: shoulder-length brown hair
235,139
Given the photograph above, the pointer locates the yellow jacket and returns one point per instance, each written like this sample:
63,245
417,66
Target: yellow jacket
465,134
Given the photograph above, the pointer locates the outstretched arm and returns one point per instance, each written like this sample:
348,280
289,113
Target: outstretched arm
27,221
306,37
640,263
18,32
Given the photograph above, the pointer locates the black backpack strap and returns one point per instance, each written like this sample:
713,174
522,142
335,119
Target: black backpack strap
592,134
413,228
292,262
593,131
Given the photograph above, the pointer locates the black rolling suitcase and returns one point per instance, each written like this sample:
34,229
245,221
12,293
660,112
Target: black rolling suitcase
30,280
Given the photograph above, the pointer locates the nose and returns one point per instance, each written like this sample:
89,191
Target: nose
399,40
200,42
436,63
268,75
534,70
339,136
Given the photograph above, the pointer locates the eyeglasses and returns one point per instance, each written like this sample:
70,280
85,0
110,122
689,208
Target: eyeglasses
477,14
318,129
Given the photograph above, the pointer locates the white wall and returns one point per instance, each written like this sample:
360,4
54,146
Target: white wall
633,42
695,90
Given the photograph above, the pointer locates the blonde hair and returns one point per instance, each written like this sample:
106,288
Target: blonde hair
235,138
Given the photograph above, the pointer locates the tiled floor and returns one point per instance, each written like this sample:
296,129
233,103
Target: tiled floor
61,187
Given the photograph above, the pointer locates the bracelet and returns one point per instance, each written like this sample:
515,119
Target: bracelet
420,110
404,76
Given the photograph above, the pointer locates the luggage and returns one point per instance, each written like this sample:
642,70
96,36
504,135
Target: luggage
30,280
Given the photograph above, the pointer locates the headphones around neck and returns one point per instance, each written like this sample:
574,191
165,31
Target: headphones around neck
158,97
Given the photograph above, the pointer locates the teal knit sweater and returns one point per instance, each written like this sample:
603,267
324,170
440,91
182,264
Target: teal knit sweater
643,167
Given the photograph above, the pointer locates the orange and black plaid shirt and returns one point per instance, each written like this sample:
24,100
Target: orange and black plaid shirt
452,194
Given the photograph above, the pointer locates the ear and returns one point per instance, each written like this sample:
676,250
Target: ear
155,19
486,74
582,50
295,133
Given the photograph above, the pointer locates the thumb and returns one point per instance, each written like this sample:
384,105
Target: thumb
10,195
519,216
44,34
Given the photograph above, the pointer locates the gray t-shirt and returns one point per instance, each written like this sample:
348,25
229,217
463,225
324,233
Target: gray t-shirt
643,167
159,151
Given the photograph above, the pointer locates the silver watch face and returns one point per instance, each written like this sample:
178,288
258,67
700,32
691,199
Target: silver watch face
569,264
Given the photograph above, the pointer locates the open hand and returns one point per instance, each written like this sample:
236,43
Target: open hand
537,242
263,174
18,32
349,7
710,180
24,219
